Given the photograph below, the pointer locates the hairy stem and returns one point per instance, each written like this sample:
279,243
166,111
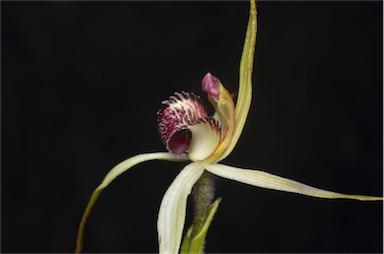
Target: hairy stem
203,194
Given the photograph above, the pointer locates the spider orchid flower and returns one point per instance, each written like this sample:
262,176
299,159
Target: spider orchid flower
190,134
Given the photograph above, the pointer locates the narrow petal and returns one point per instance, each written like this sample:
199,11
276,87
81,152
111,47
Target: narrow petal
245,81
115,172
265,180
172,212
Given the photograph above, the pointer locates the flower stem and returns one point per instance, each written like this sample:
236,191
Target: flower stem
203,194
204,210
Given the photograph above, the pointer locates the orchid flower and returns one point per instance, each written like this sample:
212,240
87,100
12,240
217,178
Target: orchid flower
190,134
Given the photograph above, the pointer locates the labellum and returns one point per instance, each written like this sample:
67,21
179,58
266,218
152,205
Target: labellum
186,128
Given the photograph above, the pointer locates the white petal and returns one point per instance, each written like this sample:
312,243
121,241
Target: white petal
129,163
265,180
115,172
170,223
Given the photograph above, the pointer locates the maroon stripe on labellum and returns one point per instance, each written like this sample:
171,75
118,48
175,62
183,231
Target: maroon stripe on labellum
181,111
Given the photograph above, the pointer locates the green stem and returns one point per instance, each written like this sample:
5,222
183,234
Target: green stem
203,194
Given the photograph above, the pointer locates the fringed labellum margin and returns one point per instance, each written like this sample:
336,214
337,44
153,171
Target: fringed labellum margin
185,127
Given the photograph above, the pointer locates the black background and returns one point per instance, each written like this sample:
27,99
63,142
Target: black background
81,85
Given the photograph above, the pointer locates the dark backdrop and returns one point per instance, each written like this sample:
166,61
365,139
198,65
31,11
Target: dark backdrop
81,85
